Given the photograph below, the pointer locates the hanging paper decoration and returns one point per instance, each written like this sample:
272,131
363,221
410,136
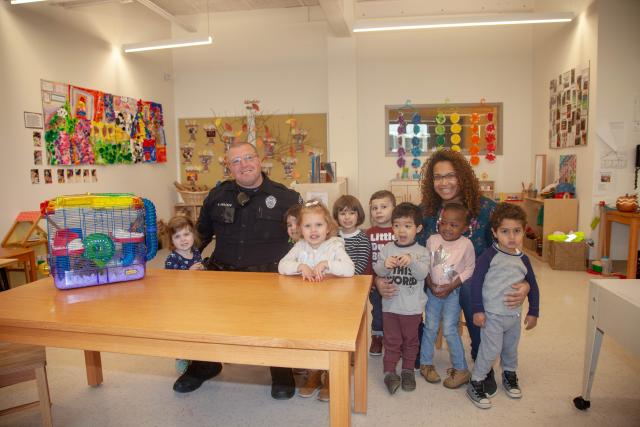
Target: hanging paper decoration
455,131
205,158
416,149
474,148
490,138
402,129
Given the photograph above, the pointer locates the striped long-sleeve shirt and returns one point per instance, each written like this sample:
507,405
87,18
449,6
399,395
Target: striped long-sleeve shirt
358,248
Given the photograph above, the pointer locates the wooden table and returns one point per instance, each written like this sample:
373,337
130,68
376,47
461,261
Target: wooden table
4,279
248,318
633,221
614,309
26,255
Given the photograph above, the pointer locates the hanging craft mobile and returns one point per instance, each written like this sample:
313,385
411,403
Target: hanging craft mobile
401,162
416,150
474,148
490,138
454,118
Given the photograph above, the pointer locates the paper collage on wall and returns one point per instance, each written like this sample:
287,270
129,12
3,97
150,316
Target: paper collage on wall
569,109
86,127
286,143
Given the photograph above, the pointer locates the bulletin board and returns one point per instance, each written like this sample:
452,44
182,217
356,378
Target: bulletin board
285,144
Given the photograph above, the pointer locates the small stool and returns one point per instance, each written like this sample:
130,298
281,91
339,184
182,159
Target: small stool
461,323
19,363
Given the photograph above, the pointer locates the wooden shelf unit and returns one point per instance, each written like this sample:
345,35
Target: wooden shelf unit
406,190
559,215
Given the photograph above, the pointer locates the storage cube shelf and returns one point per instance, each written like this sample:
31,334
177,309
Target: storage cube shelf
559,215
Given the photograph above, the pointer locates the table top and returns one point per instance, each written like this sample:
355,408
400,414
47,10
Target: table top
628,290
255,309
616,213
7,261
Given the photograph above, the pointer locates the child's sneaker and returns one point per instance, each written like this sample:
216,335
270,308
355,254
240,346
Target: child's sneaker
490,386
475,392
510,384
408,379
314,382
392,381
182,365
376,346
430,374
456,378
323,395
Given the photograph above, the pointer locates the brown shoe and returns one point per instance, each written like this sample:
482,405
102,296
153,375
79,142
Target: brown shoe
323,396
376,346
456,378
430,374
314,382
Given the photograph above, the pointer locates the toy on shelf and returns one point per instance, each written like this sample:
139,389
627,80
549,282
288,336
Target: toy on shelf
96,239
25,231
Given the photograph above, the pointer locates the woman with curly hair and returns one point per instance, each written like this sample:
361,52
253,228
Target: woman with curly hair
448,177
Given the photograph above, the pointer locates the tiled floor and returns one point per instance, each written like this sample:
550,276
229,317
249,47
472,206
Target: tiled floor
137,390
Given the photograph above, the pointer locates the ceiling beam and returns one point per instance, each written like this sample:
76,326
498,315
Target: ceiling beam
339,14
167,15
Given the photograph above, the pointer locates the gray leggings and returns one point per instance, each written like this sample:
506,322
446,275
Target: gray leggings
499,337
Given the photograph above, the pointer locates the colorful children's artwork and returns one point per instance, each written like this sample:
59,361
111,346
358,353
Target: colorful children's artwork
37,138
569,109
35,176
86,127
568,165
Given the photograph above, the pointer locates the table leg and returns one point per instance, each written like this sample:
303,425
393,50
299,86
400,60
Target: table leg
607,236
591,351
339,388
94,367
360,367
32,265
632,258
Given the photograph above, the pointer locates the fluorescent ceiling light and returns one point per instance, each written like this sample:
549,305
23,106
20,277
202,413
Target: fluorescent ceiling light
25,1
451,21
166,44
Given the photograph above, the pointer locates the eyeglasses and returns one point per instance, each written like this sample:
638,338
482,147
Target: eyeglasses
450,177
247,158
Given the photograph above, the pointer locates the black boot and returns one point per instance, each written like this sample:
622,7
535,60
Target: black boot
283,386
197,373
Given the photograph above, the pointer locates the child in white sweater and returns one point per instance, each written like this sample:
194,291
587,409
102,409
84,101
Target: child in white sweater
318,253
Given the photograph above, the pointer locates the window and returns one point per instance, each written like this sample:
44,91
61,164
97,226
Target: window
426,133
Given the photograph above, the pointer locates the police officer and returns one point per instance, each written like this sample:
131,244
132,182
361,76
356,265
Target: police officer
246,216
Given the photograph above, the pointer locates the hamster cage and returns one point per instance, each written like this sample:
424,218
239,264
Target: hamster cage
96,239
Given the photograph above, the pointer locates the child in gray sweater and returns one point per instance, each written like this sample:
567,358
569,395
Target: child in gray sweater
406,264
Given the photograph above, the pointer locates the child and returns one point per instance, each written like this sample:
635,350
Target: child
497,269
348,212
381,205
406,263
452,261
291,219
184,256
317,254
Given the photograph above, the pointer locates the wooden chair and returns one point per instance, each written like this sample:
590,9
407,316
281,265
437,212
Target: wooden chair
461,323
21,362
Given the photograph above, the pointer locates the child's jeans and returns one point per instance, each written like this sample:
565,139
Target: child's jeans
449,309
400,340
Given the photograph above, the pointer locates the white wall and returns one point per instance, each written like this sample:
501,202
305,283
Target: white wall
431,66
618,87
78,46
557,49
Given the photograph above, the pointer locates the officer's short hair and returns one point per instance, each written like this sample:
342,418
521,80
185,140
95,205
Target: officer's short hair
348,202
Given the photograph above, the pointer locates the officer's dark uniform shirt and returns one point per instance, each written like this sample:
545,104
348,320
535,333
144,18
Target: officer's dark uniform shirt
249,235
